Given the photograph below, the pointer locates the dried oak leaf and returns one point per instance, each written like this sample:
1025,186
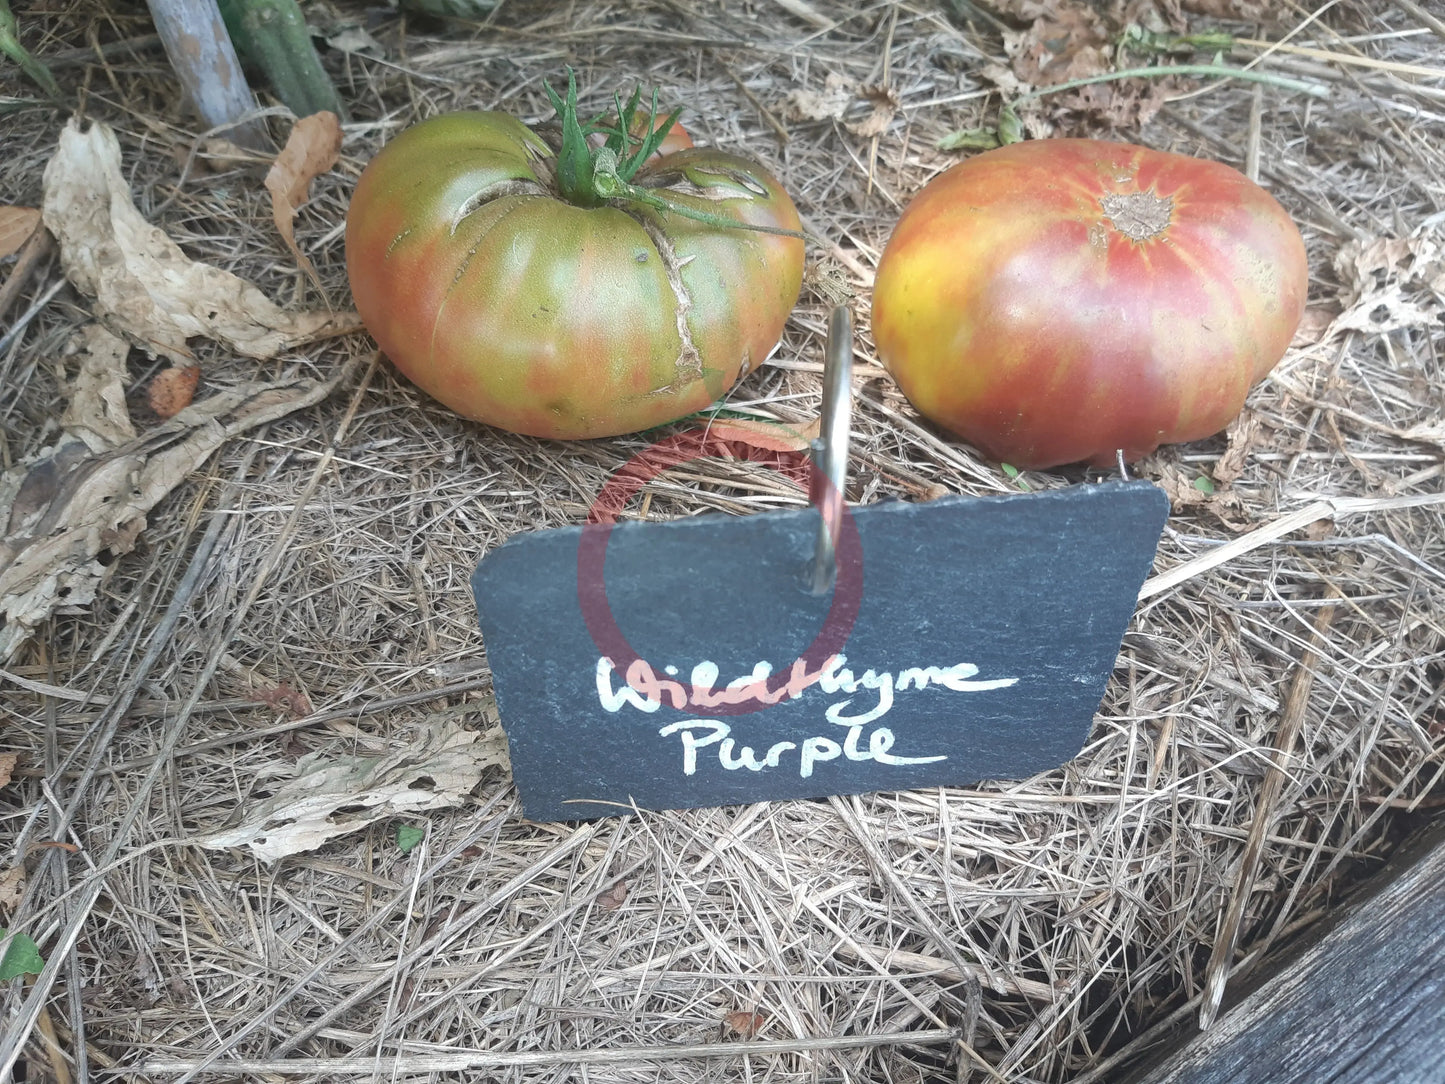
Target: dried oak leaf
172,389
16,226
144,286
1391,283
311,150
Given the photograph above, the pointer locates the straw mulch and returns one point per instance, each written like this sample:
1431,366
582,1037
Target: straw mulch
305,593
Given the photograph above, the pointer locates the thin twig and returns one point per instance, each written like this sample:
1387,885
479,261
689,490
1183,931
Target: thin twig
482,1060
1288,524
1291,719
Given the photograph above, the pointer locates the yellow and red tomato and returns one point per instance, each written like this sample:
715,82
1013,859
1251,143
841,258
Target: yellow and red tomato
1062,300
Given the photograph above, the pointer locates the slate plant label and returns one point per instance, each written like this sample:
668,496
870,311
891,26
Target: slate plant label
978,642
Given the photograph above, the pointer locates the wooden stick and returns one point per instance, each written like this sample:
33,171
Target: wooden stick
203,57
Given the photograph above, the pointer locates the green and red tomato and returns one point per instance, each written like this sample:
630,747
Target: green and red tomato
1063,300
550,287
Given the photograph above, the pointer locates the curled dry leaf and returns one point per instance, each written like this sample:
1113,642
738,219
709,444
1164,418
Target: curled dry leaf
16,226
783,446
96,413
1244,435
12,887
1243,11
332,797
612,898
1070,40
765,436
144,286
311,150
59,512
885,103
746,1024
1391,283
285,698
171,390
830,103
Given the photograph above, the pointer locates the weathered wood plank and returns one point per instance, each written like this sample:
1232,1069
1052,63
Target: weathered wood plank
1365,1004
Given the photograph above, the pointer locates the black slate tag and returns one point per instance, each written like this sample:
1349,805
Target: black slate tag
965,639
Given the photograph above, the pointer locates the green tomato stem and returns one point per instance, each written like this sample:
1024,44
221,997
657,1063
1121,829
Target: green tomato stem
588,177
609,185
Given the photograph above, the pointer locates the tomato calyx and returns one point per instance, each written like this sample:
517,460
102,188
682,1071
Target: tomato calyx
589,176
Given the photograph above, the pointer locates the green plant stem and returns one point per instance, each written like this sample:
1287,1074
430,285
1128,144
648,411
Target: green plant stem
608,185
11,47
589,177
272,35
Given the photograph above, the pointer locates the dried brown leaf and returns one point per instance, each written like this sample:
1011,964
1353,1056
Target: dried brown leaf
885,105
830,103
144,286
1243,11
311,150
1244,435
1314,324
97,412
16,226
285,698
1070,41
7,765
59,512
766,436
171,390
1391,283
746,1024
327,798
12,887
612,898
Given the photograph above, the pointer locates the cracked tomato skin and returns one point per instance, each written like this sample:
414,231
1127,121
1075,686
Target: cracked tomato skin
515,308
1057,300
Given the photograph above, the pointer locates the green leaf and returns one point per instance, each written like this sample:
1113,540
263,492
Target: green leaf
970,139
1015,476
1203,484
1010,128
22,957
408,836
11,47
574,161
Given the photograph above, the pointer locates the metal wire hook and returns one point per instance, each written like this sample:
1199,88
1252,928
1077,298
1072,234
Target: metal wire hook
830,450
